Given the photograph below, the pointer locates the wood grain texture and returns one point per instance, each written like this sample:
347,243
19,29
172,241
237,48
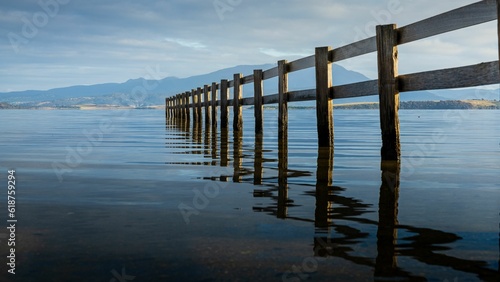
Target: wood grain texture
468,76
247,79
213,106
270,73
194,102
359,89
249,101
198,94
238,94
387,58
167,107
187,105
224,114
302,95
324,105
355,49
300,64
282,100
258,92
270,99
473,14
206,103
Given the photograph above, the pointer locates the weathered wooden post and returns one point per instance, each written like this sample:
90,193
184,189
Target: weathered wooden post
186,103
224,114
324,105
181,106
206,101
238,92
258,108
498,29
185,109
214,105
167,116
282,99
194,100
198,93
176,104
387,54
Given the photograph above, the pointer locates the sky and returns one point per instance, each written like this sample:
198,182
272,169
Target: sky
47,44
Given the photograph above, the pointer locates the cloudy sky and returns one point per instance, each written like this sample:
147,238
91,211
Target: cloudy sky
75,42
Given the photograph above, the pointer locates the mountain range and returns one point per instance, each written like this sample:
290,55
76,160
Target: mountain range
126,94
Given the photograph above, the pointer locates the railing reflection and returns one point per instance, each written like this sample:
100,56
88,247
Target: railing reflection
334,214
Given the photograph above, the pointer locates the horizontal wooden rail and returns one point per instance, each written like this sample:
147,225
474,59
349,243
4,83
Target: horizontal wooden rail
469,76
474,14
388,85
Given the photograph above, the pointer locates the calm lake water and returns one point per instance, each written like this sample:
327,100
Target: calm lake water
127,196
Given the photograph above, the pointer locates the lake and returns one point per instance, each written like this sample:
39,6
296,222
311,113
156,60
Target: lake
126,196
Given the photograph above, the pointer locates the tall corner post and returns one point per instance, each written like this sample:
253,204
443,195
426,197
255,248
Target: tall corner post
324,102
387,55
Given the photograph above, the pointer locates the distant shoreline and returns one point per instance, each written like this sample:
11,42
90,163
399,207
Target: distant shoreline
409,105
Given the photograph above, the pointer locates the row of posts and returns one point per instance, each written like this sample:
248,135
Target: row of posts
179,106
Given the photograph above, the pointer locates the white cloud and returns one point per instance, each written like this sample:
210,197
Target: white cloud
188,38
186,43
279,54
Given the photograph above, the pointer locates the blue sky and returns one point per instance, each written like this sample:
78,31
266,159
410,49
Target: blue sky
71,42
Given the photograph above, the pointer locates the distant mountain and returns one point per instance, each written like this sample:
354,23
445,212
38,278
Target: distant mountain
122,93
470,93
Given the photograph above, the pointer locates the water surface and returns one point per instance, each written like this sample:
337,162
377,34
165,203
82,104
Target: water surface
107,193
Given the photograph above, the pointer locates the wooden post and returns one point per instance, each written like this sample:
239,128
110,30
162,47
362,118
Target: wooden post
498,29
194,100
176,104
387,54
238,91
224,114
214,105
324,105
258,108
167,116
186,103
179,105
182,108
206,101
198,93
170,107
282,100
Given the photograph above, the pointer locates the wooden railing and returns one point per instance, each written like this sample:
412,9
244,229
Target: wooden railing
388,85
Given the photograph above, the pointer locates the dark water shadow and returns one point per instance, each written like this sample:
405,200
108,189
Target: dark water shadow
334,213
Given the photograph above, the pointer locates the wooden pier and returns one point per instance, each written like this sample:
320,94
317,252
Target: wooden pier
388,85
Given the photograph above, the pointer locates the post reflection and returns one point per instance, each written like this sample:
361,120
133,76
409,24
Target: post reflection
237,155
342,225
224,147
282,177
324,178
258,155
386,264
